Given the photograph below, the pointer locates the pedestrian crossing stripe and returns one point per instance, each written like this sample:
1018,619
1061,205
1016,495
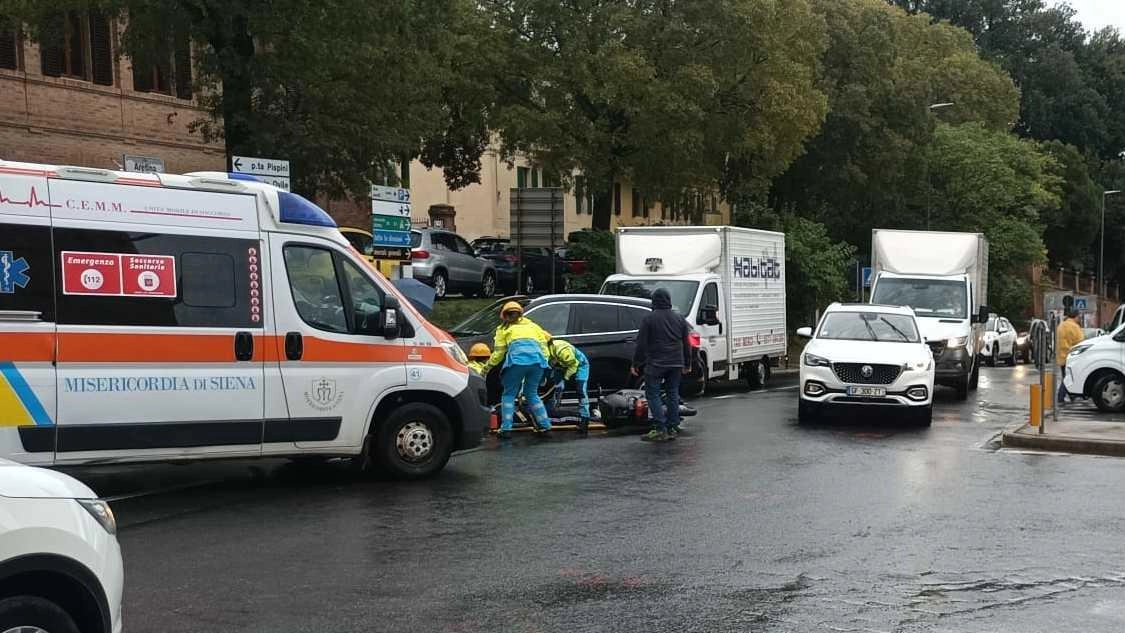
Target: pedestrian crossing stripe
19,406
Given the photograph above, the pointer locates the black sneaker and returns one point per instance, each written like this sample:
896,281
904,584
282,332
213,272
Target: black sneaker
503,435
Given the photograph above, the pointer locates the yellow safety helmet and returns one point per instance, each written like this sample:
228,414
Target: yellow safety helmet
479,350
511,306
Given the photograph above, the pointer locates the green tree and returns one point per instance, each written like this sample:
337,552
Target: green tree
995,183
344,89
1068,229
882,70
817,269
675,96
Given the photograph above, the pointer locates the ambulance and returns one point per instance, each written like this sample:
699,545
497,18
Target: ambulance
153,317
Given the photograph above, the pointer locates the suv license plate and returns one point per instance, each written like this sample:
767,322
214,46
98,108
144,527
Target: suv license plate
867,392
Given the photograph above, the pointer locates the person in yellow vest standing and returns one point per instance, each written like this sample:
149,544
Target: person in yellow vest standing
1069,335
478,356
520,348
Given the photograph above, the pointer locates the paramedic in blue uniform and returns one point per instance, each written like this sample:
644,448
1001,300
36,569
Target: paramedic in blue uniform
520,348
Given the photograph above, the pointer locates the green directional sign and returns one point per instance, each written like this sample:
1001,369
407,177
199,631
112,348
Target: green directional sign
390,223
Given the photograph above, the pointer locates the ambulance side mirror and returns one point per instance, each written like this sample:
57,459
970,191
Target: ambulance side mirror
390,319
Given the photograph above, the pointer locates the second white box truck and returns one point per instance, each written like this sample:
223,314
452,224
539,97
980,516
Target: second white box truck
944,277
728,282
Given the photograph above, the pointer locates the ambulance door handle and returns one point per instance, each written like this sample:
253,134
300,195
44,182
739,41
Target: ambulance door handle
243,346
294,346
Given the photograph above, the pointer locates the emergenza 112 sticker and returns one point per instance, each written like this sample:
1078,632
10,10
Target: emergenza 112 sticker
118,275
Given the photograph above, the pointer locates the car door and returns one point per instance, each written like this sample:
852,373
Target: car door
598,332
332,368
472,267
714,337
1007,338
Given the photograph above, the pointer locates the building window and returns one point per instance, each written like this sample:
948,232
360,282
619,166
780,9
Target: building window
646,206
521,177
616,198
78,44
171,72
637,204
9,46
534,177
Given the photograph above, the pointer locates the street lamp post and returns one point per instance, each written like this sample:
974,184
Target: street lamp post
1101,249
933,107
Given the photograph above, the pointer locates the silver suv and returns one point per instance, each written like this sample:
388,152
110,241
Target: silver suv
446,262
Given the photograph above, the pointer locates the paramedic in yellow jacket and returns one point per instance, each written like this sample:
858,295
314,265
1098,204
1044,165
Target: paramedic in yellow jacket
478,356
569,363
521,348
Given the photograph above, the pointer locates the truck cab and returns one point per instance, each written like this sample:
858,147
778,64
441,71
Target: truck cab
944,307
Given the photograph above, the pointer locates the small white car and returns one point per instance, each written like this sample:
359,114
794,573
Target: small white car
60,564
999,341
862,356
1096,368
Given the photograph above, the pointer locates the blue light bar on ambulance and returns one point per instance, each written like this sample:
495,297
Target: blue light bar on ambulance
294,209
234,175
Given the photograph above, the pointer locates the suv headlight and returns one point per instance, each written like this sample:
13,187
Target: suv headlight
1079,349
812,360
101,512
957,341
455,352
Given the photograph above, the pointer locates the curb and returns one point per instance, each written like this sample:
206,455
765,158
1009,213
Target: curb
1061,443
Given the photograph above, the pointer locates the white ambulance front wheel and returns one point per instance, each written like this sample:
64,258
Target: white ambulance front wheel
415,441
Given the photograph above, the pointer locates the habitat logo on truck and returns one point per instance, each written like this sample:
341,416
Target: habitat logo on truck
764,267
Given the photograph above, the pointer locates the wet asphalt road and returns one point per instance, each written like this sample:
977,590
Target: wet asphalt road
751,523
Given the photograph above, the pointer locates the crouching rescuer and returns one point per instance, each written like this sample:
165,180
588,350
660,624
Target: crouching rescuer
520,348
569,363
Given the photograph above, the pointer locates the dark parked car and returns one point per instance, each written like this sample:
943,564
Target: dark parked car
536,266
603,327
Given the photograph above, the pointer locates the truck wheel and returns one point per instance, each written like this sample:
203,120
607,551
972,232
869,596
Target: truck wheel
994,357
414,442
759,374
1109,393
974,377
29,613
1012,359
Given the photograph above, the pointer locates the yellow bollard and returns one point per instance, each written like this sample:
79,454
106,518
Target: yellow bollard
1036,405
1048,391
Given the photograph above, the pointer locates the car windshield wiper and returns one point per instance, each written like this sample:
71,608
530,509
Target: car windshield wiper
895,328
871,330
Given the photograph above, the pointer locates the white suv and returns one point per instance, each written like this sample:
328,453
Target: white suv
864,355
60,564
1096,368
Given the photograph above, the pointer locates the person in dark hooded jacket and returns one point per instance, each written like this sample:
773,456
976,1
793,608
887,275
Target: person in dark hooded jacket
664,351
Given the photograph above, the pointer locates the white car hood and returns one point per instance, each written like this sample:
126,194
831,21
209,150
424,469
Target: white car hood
936,330
27,482
877,352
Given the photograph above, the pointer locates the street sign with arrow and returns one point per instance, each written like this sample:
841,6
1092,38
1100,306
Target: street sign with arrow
273,171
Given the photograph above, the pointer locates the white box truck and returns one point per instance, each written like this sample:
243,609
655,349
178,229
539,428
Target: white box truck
729,283
944,277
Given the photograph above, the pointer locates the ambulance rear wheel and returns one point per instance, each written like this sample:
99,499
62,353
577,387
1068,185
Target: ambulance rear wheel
414,442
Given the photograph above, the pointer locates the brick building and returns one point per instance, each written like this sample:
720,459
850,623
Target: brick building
74,100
